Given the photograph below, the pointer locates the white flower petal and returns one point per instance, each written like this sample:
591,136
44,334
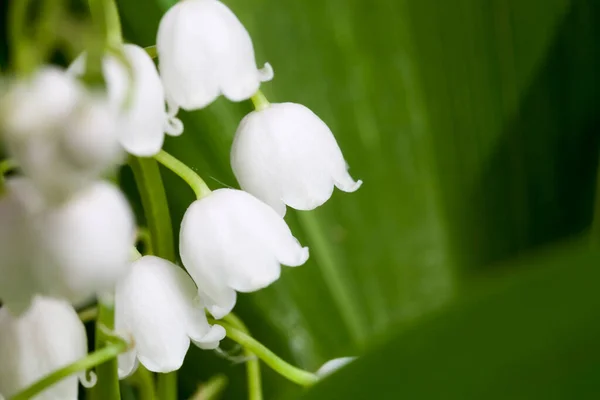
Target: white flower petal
85,243
142,113
230,240
155,303
144,116
47,337
128,363
204,51
285,154
333,365
61,136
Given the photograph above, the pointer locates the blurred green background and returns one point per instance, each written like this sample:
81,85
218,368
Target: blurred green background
463,267
474,125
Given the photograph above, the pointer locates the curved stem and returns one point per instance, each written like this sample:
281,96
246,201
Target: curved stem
154,201
294,374
252,365
107,387
91,360
184,172
260,101
156,209
20,44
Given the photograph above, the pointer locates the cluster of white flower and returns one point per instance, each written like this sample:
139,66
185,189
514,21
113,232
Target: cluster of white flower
66,235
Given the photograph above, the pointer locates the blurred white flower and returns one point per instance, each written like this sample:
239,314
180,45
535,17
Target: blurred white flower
61,136
230,241
333,365
285,154
138,97
47,337
204,51
71,251
156,304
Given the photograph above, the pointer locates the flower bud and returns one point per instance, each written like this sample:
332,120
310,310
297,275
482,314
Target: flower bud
285,155
230,241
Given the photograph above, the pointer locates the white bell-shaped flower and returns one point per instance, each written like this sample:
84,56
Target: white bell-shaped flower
157,305
61,135
138,97
204,51
47,337
230,241
285,154
71,251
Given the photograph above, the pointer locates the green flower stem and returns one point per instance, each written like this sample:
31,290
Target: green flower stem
252,365
88,314
154,201
23,54
156,209
96,358
294,374
107,387
212,389
106,18
260,101
144,381
184,172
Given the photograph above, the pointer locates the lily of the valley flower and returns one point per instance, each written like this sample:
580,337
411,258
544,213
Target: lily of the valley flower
285,155
138,97
47,337
333,365
156,304
71,251
204,51
61,136
230,241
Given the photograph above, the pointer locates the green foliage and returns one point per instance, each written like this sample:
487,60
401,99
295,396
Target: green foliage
474,127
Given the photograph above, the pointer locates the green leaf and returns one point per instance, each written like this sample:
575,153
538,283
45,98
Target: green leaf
531,334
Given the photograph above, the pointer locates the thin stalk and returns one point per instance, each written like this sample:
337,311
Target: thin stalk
156,209
90,361
154,201
184,172
260,101
292,373
107,387
252,363
212,389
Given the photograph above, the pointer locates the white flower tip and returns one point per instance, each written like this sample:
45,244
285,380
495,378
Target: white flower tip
173,126
265,74
333,365
349,185
88,379
218,312
213,337
301,258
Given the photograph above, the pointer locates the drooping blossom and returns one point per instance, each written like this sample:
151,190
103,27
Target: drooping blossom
136,94
205,51
231,241
285,155
61,135
333,365
71,251
157,305
47,337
